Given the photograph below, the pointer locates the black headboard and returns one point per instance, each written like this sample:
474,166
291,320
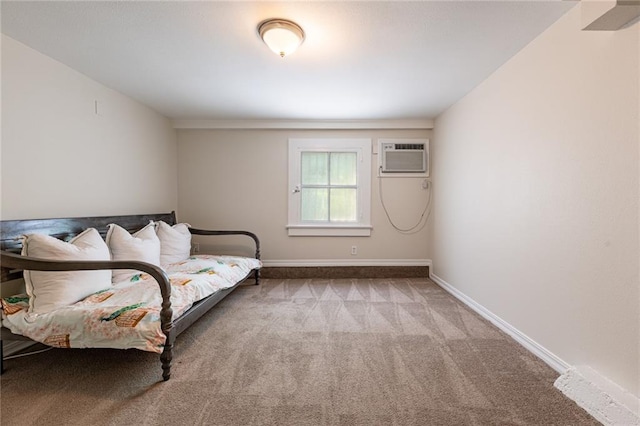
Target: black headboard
67,228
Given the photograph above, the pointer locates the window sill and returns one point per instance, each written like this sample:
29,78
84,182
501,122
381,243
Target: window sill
329,230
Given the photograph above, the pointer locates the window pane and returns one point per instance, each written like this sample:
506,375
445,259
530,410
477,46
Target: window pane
315,168
343,205
315,204
343,168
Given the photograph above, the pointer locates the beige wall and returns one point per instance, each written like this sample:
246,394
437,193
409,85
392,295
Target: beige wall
60,158
238,179
536,196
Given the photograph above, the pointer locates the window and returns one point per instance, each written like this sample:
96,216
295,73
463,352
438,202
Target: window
329,187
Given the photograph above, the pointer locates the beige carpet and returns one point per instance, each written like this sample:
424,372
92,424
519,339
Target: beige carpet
303,352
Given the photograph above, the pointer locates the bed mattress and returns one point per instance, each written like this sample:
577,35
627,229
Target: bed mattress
127,315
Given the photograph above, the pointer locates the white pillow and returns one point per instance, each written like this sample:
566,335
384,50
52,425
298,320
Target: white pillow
142,246
175,242
49,290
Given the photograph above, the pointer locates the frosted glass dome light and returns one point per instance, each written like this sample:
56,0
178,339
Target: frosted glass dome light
282,36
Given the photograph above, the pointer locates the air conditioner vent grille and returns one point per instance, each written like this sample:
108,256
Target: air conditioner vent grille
419,146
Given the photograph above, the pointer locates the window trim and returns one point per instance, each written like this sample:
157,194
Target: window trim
362,147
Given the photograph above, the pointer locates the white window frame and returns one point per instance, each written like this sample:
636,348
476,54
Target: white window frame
362,147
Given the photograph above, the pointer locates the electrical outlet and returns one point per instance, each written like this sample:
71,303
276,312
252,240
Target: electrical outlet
196,247
354,250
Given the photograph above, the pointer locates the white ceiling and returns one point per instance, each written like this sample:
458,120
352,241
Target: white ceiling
367,60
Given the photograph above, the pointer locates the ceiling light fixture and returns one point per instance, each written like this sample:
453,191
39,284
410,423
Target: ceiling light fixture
282,36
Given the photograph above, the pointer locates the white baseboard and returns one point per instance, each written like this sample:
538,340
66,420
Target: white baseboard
603,399
295,263
540,351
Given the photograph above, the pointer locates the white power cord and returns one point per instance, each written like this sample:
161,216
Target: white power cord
422,221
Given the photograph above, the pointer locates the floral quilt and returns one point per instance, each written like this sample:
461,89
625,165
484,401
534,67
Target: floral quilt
126,315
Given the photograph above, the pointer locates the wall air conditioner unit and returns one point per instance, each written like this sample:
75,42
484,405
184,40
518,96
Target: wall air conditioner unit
404,157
